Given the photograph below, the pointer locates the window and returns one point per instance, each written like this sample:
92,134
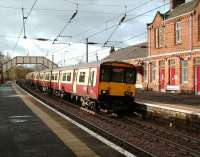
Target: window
52,77
178,32
64,77
82,77
47,77
68,77
92,77
159,36
105,75
56,76
145,72
197,61
117,75
130,76
184,71
153,72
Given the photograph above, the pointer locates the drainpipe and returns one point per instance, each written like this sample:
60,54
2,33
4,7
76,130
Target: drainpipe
149,42
191,33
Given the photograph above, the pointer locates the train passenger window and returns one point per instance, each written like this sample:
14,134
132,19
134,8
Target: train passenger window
56,76
117,75
130,76
105,75
82,77
47,76
64,77
52,77
68,76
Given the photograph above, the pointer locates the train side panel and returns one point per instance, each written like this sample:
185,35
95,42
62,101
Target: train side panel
66,80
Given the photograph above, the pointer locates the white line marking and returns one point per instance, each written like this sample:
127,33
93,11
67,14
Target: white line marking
170,108
92,133
26,116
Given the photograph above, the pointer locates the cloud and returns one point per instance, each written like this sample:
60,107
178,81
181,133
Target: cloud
49,16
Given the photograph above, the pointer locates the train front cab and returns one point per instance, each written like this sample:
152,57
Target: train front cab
117,86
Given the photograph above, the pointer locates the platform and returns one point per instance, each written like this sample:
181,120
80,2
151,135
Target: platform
184,107
27,130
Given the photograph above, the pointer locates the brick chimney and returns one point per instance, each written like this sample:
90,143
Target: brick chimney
176,3
112,49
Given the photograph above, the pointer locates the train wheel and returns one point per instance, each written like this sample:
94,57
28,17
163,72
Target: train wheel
93,105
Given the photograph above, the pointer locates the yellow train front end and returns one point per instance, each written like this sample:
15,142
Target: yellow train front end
117,87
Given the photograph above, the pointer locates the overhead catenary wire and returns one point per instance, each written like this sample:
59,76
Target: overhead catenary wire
116,17
156,8
21,30
65,26
130,19
120,22
96,33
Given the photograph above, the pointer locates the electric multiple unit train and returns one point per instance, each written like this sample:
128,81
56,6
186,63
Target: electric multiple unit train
101,85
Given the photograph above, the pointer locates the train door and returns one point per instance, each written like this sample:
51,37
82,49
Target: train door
162,75
92,82
59,80
75,81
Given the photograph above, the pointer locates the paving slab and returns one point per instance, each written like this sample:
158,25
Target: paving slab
28,129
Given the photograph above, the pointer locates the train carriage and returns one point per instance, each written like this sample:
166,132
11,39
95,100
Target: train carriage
101,85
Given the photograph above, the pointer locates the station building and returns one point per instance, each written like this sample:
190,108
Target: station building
173,62
136,55
170,60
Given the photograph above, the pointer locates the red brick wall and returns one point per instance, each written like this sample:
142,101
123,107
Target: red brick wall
170,44
196,29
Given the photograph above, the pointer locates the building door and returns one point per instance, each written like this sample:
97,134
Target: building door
197,76
172,72
198,80
172,76
162,75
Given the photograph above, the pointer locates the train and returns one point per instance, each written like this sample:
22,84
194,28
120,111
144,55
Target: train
105,85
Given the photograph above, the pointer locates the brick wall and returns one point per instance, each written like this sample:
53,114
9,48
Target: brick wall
187,50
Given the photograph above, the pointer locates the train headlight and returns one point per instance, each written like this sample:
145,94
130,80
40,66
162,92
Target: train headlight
126,93
104,92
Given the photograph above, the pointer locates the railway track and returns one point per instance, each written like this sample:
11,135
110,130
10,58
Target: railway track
128,132
58,106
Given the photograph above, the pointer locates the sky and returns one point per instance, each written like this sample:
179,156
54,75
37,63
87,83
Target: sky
95,20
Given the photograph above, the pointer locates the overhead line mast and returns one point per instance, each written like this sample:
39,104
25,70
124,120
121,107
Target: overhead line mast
24,22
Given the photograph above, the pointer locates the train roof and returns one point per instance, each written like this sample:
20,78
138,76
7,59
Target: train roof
85,65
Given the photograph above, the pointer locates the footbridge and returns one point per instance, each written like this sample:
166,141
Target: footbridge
37,60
